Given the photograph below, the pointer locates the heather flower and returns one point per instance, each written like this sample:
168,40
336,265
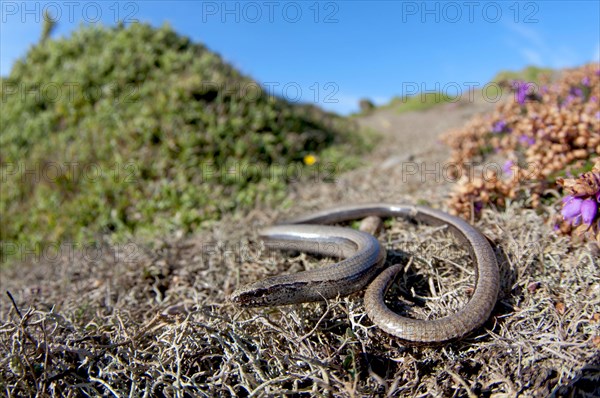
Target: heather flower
525,140
556,227
580,206
507,167
586,186
585,81
568,100
500,127
576,92
521,88
571,210
552,126
589,208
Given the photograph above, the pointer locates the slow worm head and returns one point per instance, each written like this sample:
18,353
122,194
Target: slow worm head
363,255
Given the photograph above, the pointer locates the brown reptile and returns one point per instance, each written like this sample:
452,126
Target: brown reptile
363,265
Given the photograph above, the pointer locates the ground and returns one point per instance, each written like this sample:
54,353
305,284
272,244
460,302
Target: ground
134,320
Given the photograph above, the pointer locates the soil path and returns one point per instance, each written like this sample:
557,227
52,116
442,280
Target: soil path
407,163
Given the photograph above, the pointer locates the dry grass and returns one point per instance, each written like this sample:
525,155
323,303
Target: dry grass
139,322
159,324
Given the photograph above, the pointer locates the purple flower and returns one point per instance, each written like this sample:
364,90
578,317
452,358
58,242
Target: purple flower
478,206
500,127
521,88
576,92
576,210
589,208
598,115
567,198
585,81
569,99
571,210
507,167
525,140
556,227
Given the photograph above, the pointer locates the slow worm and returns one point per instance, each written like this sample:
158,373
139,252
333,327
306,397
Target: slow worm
364,262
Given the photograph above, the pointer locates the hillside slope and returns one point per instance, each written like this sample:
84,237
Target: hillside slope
138,131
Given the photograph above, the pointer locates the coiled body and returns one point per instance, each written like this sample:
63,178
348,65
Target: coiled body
363,263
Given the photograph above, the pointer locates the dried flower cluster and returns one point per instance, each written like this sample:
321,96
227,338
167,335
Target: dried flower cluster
519,151
580,206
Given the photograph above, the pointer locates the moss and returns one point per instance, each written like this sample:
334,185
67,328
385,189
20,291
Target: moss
137,131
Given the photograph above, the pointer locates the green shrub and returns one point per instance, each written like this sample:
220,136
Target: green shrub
130,130
529,74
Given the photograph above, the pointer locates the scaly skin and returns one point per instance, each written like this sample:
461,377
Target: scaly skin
365,258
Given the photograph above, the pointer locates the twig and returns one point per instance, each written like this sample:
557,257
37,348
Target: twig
462,382
14,304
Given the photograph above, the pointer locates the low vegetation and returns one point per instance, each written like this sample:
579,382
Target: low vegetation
420,102
524,149
137,131
134,320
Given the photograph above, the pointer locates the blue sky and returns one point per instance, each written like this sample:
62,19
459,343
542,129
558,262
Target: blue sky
333,53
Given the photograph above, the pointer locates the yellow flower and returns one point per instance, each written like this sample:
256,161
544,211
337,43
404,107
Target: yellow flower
309,160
